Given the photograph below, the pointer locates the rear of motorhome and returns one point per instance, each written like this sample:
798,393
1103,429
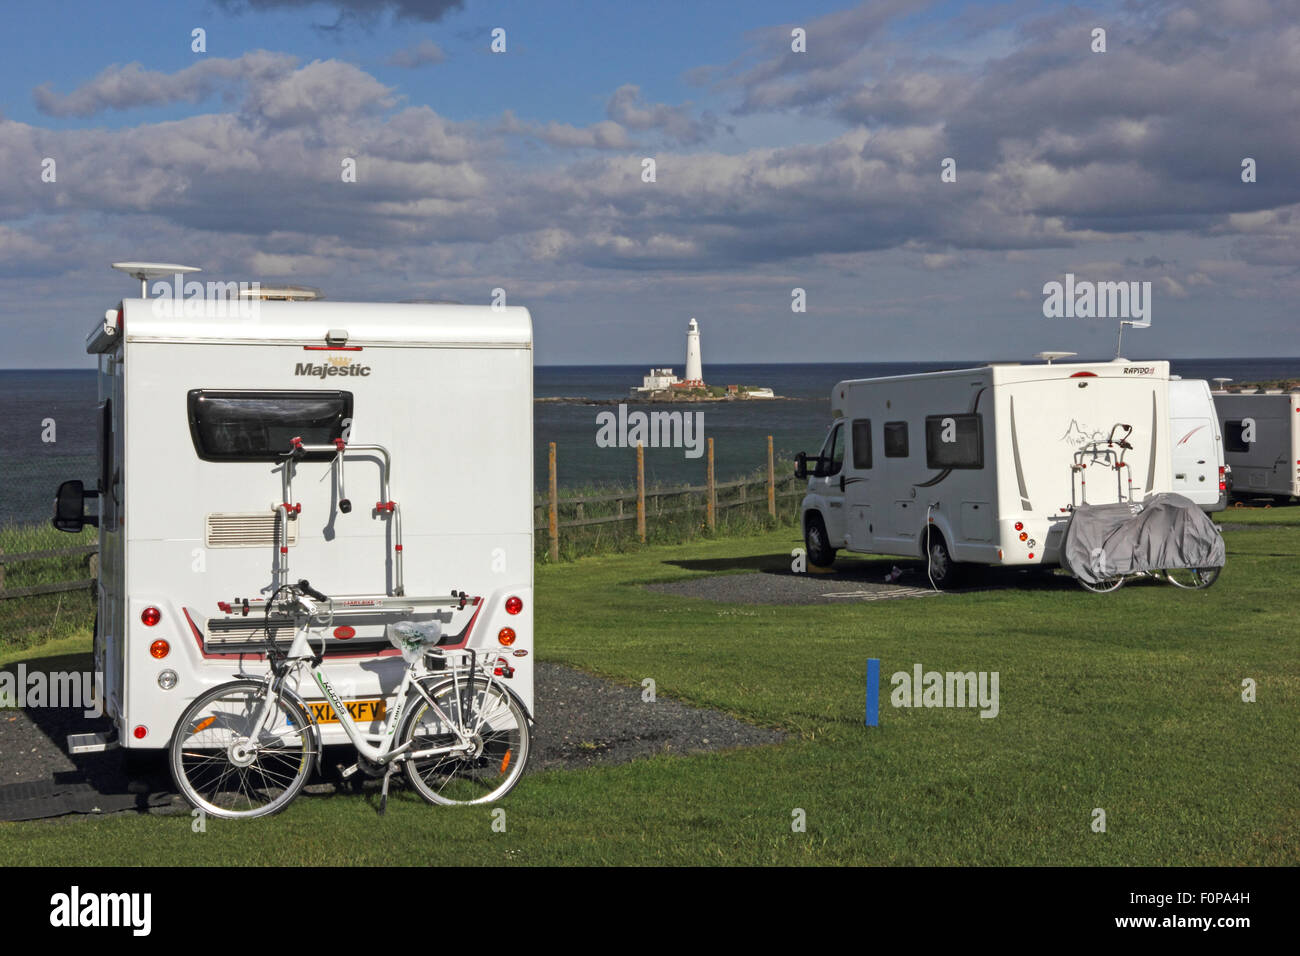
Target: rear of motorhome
1261,437
381,451
1196,444
983,465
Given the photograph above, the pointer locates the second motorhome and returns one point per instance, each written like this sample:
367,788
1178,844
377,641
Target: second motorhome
1261,437
983,465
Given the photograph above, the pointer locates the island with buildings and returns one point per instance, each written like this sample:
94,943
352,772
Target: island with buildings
661,385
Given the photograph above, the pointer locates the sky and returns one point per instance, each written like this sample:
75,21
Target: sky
799,154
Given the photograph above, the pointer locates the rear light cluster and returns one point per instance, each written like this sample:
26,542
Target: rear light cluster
1024,536
1223,482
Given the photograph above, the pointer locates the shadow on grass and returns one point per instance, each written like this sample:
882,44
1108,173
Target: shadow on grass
873,569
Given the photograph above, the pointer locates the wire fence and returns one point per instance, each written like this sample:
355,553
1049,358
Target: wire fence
47,577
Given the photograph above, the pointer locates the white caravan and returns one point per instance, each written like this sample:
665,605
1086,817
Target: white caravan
226,432
983,463
1261,438
1196,444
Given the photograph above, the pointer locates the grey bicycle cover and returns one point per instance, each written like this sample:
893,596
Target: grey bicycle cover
1164,531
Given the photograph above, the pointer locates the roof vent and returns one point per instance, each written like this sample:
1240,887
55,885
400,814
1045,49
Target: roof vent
280,293
1050,357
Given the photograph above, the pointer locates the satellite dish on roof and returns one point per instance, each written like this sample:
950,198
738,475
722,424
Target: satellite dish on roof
1222,382
1050,357
144,271
281,293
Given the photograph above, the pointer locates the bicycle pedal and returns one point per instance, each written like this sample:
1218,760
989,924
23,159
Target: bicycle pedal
346,772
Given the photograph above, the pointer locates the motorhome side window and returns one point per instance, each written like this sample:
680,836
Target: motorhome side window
954,441
831,458
862,444
259,426
895,439
1232,438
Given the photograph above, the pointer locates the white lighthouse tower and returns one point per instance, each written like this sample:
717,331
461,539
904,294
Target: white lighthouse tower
694,368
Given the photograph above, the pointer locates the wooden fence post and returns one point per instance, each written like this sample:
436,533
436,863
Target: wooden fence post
553,525
640,491
771,480
713,492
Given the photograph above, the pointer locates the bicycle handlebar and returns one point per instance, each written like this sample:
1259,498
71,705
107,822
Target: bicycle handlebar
305,587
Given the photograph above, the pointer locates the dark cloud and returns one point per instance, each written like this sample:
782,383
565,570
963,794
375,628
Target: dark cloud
425,11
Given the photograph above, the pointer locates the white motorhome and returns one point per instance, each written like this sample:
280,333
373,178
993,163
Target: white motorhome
1196,444
983,465
230,439
1261,438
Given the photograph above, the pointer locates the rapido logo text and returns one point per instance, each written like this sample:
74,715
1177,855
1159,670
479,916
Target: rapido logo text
332,366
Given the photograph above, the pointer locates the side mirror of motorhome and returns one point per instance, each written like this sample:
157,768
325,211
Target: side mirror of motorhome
70,507
801,465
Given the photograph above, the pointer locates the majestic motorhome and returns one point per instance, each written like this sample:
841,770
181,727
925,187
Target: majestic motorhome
1261,438
224,441
1196,444
983,465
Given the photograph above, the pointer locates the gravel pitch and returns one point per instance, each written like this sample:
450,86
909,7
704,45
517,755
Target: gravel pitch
851,582
585,721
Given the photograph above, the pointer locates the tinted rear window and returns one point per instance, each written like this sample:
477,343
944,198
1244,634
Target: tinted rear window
259,426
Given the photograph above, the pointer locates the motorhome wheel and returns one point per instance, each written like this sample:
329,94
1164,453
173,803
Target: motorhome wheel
942,568
820,552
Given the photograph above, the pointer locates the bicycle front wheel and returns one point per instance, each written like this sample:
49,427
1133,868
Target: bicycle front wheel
222,771
1104,586
497,728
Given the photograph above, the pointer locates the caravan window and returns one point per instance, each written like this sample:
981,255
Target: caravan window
895,439
1232,437
954,441
258,426
862,444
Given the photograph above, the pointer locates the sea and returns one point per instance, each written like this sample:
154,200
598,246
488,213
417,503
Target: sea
47,422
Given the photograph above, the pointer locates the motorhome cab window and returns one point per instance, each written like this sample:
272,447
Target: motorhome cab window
831,458
1232,438
259,426
954,441
862,445
895,439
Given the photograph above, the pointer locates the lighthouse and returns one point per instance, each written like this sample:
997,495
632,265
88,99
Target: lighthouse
694,369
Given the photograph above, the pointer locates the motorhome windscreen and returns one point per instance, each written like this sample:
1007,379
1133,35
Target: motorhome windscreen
954,441
259,426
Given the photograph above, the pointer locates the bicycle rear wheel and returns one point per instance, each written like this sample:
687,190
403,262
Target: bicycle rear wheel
1191,578
492,718
219,770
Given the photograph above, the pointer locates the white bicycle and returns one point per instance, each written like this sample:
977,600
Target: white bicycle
246,748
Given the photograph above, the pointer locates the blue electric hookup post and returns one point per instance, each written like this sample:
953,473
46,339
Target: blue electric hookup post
873,692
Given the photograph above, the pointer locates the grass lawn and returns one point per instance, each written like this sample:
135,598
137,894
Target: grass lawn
1130,702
